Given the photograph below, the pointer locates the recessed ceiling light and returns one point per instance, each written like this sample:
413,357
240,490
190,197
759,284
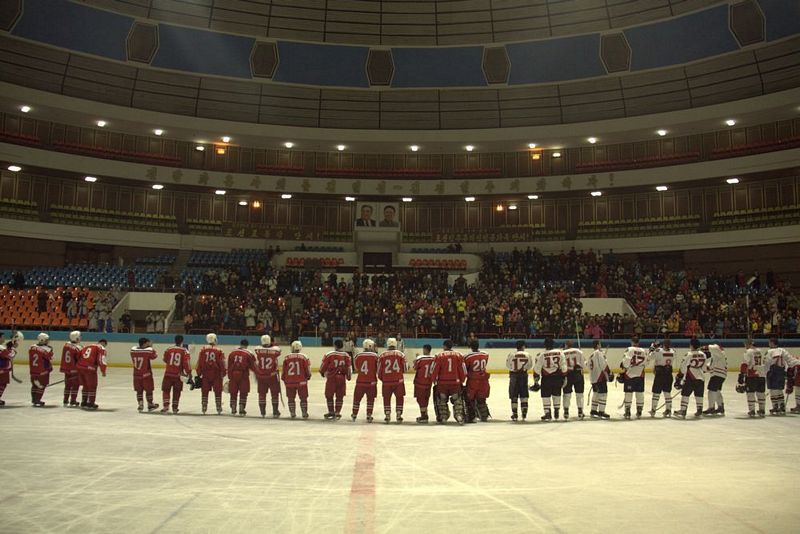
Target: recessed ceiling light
661,188
286,196
592,140
730,122
531,145
662,133
350,199
499,207
158,187
512,207
243,203
220,192
407,199
732,180
288,144
221,150
226,139
101,124
158,131
533,197
14,168
556,154
414,148
340,147
24,109
597,193
469,199
90,179
199,148
469,148
256,203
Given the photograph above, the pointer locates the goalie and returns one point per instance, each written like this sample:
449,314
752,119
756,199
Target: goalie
449,374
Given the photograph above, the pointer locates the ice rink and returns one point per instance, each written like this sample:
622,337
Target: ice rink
66,470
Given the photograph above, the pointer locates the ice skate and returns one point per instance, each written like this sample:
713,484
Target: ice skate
141,407
681,414
422,419
594,413
547,416
667,413
151,407
639,412
566,414
580,413
603,415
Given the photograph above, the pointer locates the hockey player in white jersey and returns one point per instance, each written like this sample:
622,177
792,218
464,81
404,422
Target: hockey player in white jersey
717,367
776,361
518,364
690,379
793,384
551,366
752,379
575,364
632,376
600,376
663,357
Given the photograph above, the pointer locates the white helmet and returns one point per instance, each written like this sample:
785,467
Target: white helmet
296,345
17,337
266,340
211,339
75,336
368,344
391,343
42,338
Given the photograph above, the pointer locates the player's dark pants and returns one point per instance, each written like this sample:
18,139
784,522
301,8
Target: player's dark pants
422,393
692,386
715,383
756,384
368,389
518,392
174,385
72,383
634,385
551,386
88,380
271,384
335,386
662,379
600,387
144,384
239,388
574,382
477,393
208,383
4,379
399,391
297,390
38,384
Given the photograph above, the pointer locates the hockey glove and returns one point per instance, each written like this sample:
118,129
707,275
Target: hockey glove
610,377
789,388
535,387
621,378
740,388
742,378
678,381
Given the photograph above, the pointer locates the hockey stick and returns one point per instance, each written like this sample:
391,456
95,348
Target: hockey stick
13,376
57,382
670,398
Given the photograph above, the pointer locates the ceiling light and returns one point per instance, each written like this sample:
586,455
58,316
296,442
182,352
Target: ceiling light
199,148
158,187
469,199
592,140
24,109
407,199
533,197
469,148
90,179
662,133
536,155
220,192
158,131
350,199
101,124
288,144
14,168
340,147
256,203
661,188
226,139
597,193
499,207
730,122
556,154
512,207
531,145
732,181
221,150
286,196
243,203
414,148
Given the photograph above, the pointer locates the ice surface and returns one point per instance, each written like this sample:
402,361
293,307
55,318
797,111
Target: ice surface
65,470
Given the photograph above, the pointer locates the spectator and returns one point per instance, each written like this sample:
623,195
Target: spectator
125,321
150,321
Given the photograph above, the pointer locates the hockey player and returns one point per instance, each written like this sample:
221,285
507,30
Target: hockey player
336,369
776,361
40,360
449,374
296,374
551,366
141,356
752,379
211,369
600,376
267,369
93,357
518,364
575,364
8,351
718,368
793,384
690,379
179,364
391,366
423,370
663,357
240,362
366,365
632,376
477,383
69,366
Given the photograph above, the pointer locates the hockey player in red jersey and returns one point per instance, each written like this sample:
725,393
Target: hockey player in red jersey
336,369
40,361
8,351
70,355
391,366
211,369
423,376
93,357
142,356
267,377
178,361
477,383
295,374
240,362
449,374
366,366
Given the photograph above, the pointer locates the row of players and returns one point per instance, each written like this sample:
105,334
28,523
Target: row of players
452,377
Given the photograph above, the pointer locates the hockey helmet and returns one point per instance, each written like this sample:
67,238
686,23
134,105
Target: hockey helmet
391,343
297,346
17,338
211,339
368,344
75,336
42,338
266,340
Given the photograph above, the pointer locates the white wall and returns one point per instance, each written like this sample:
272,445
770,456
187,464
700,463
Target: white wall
598,306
